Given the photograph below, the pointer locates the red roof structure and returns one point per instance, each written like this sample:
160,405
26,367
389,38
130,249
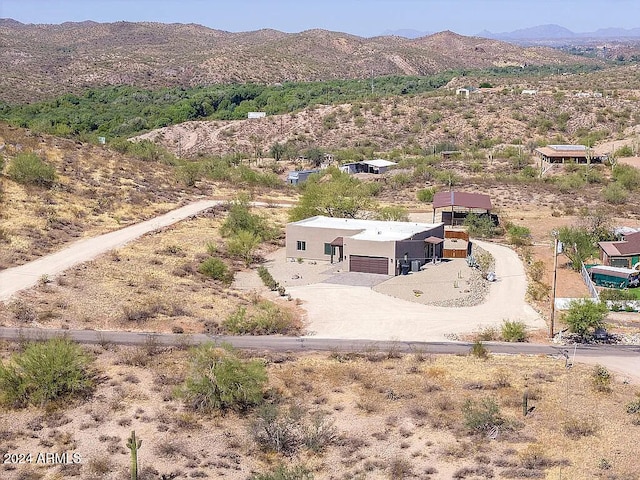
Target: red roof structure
462,199
629,246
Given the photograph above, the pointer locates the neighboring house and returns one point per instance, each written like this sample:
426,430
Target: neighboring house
256,114
369,246
569,153
457,205
298,176
624,253
529,92
463,91
376,166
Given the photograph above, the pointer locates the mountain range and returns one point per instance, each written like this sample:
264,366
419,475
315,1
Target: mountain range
540,32
42,61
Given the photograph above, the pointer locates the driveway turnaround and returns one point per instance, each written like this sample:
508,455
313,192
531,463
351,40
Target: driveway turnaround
350,312
12,280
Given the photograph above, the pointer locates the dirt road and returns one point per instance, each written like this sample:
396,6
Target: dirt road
12,280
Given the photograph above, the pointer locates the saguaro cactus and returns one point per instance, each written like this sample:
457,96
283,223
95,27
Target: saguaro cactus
134,445
525,403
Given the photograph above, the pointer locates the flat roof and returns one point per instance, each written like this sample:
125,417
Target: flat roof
462,199
375,230
564,148
379,162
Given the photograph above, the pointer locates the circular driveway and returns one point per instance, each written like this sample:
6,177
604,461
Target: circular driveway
342,311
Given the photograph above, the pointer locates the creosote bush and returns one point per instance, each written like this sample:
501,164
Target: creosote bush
219,380
29,169
513,331
266,318
480,417
46,372
216,269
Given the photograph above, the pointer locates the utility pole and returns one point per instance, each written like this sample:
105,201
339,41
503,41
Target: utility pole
555,277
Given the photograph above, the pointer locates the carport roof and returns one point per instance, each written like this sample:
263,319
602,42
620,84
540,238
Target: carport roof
434,240
462,199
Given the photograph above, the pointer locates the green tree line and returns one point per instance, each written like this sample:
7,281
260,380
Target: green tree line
123,111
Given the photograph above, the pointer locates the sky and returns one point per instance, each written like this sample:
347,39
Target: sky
359,17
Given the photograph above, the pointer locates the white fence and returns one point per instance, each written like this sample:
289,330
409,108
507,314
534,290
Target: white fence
589,283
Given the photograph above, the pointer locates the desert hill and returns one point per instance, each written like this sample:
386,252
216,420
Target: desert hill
42,61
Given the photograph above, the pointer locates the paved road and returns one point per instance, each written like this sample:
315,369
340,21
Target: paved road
623,359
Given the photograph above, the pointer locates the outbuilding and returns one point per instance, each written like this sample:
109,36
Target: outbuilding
370,246
299,176
569,154
623,253
460,204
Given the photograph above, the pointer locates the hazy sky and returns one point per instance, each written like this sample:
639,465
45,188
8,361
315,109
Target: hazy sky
360,17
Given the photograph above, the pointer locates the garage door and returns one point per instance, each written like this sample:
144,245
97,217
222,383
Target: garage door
361,263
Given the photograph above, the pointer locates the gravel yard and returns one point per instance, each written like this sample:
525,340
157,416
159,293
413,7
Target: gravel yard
443,301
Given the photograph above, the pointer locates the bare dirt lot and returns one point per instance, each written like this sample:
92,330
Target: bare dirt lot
384,415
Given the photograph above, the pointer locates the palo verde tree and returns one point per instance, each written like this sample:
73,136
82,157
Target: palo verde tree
219,380
585,316
579,244
336,194
44,373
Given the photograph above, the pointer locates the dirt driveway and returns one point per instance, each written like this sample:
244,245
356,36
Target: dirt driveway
357,311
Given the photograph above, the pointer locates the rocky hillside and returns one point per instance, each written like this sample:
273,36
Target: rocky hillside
40,61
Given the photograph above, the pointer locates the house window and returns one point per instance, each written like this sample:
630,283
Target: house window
327,249
301,245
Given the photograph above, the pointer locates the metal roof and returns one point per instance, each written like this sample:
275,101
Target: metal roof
379,162
462,199
573,148
629,246
375,230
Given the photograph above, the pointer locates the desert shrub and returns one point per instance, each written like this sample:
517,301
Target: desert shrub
29,169
480,417
584,315
627,176
634,406
400,468
267,278
513,331
393,213
286,431
487,334
220,380
241,219
480,226
46,372
518,235
615,294
579,427
242,245
615,194
426,194
283,472
536,270
625,151
601,379
189,173
216,269
266,319
478,350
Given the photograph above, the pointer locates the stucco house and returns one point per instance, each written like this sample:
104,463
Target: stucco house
369,246
623,253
